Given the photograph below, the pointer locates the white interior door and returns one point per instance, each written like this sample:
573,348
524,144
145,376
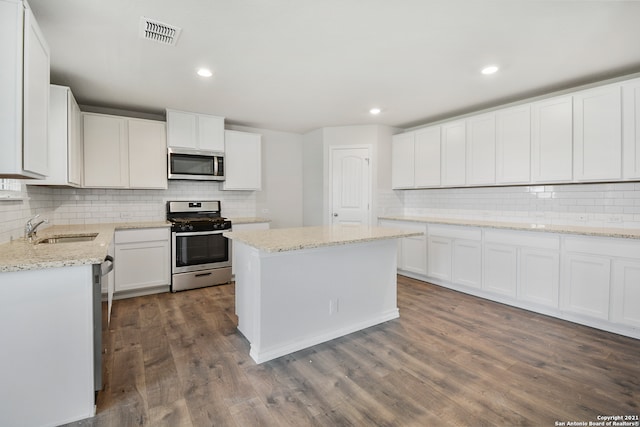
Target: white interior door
350,185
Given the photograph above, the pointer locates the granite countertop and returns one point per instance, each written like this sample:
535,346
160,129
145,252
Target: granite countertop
291,239
629,233
248,220
20,255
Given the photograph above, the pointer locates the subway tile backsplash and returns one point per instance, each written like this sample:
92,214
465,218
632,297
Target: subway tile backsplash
62,206
594,205
597,205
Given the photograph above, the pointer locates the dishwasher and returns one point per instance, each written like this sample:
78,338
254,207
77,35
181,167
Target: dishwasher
99,272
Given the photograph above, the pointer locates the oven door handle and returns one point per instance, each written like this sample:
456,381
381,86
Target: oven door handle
199,233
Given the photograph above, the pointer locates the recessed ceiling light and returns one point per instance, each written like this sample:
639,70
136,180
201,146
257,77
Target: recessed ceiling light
204,72
375,111
489,69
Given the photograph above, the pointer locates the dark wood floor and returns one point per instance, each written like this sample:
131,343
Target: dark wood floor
451,359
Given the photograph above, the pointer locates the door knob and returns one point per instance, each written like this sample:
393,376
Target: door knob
335,214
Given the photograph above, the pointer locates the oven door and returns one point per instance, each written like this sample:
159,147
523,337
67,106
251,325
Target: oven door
199,250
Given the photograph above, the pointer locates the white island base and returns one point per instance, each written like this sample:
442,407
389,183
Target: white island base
287,301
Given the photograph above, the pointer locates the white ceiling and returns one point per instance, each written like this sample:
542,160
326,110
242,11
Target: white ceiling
298,65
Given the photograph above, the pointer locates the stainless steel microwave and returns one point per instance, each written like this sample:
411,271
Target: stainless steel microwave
198,165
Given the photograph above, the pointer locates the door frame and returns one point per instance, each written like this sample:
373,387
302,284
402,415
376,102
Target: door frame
331,149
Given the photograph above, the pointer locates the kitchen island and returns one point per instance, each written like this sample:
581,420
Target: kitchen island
297,287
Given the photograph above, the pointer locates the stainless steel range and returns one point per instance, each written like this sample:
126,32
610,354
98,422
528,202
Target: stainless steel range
201,255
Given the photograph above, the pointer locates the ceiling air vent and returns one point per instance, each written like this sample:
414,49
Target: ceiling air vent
159,31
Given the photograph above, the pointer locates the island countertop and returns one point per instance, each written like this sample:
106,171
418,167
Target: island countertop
292,239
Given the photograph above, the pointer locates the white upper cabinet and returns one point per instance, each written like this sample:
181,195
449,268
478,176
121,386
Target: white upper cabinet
552,140
243,161
195,131
147,154
427,157
121,152
597,134
106,153
402,160
453,153
24,84
588,135
513,145
481,149
65,140
631,128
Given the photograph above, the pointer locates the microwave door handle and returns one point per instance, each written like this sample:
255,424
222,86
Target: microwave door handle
215,166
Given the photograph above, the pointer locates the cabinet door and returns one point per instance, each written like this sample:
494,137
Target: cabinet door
453,153
147,154
414,251
182,129
597,127
211,133
142,259
35,98
106,156
626,293
427,157
402,161
481,149
552,140
513,145
586,285
499,269
243,161
631,128
439,259
75,150
467,263
539,277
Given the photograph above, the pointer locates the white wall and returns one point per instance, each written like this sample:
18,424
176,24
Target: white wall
282,178
313,179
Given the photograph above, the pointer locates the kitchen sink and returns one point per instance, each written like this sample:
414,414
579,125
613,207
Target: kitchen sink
68,238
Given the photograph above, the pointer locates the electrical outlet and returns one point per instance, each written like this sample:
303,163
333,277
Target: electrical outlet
614,218
125,214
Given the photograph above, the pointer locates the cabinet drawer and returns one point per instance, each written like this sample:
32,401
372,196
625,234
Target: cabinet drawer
519,238
141,235
626,248
454,232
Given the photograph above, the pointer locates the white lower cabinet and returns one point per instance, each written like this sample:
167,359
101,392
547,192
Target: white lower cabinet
523,266
439,260
586,285
142,259
601,279
539,277
466,268
500,270
591,280
626,292
412,251
455,254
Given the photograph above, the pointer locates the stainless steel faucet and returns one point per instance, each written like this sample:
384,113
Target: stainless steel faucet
30,228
